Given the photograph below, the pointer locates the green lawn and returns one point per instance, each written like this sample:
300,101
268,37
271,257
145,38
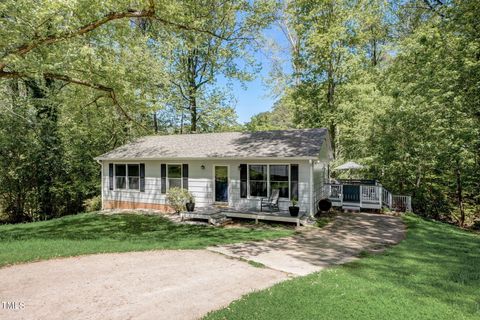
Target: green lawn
433,274
95,233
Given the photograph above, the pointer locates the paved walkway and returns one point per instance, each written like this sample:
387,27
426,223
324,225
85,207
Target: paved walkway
315,249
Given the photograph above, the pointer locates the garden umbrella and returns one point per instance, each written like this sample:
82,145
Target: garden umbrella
349,166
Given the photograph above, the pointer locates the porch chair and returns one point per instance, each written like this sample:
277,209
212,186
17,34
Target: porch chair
271,202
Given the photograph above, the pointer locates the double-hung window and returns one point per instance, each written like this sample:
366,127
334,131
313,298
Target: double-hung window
174,175
258,180
127,176
279,179
263,178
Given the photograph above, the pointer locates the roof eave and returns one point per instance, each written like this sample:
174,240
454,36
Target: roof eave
305,158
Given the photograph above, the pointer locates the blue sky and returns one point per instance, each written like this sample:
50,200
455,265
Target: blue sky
256,97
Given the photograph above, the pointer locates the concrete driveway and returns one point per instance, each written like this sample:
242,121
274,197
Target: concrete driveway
137,285
315,249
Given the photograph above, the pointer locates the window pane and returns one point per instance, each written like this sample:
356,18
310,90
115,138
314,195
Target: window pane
279,179
258,172
174,171
120,183
221,173
172,183
258,188
120,170
279,173
133,170
133,183
282,186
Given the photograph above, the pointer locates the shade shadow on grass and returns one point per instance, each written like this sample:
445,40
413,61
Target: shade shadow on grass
94,233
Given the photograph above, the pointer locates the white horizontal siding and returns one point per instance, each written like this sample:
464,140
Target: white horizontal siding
201,184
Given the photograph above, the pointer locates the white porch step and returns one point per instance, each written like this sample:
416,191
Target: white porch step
355,208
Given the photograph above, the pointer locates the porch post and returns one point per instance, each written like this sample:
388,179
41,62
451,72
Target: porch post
360,195
380,195
311,213
341,195
102,184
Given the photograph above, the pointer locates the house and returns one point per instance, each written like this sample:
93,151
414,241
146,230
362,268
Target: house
237,169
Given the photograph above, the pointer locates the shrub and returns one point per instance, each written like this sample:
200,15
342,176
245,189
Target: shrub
177,197
93,204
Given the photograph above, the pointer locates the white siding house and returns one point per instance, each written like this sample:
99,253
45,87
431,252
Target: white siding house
234,169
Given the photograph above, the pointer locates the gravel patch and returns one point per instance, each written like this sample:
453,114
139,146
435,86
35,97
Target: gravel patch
182,284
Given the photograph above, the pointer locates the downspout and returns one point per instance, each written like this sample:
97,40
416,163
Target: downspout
311,188
101,181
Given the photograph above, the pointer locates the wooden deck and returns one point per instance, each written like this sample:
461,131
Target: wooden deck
215,215
355,197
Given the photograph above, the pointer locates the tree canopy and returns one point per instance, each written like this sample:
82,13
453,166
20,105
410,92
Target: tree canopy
397,83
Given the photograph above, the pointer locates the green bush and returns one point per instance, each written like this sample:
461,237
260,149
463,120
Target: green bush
93,204
177,197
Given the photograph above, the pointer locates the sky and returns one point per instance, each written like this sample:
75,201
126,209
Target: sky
256,97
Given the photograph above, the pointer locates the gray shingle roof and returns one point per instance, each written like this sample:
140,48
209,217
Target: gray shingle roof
301,143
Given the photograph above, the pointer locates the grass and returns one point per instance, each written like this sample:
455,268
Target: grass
256,264
95,233
322,222
433,274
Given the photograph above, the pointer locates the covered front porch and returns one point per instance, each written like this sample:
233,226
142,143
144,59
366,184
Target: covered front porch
364,194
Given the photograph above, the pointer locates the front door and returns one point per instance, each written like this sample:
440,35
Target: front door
221,183
351,193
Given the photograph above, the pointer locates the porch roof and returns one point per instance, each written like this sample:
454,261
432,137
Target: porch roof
298,143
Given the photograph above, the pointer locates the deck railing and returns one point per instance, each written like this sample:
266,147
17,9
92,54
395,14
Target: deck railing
333,191
401,203
386,198
371,196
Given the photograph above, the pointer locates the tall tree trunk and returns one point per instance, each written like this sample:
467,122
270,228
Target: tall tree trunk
155,122
331,106
374,52
459,192
193,114
192,89
182,117
192,101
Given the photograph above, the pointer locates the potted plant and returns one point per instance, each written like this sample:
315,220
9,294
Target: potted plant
293,208
191,203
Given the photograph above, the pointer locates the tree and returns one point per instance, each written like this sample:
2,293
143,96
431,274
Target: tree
330,50
397,84
281,117
197,60
428,141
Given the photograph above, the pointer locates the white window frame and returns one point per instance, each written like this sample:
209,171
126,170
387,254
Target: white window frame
268,179
127,183
167,182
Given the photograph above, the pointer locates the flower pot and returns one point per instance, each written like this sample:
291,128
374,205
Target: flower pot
294,211
190,206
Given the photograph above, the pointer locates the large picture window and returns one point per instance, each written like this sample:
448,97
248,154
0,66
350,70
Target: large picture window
127,176
279,179
258,180
263,178
174,176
